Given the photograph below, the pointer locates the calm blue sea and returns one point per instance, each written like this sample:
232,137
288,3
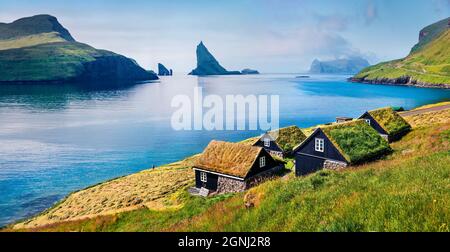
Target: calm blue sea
55,139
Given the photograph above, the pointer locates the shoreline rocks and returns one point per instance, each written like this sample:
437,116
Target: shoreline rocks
401,81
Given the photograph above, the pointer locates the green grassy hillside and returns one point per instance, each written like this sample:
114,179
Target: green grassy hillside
34,25
66,61
431,32
31,40
427,65
38,49
406,191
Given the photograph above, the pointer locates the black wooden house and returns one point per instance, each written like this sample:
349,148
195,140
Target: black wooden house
225,167
337,146
388,123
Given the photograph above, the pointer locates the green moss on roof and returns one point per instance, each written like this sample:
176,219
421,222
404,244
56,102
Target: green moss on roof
390,121
289,137
356,141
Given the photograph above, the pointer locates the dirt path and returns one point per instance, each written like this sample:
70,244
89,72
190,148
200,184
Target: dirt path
426,110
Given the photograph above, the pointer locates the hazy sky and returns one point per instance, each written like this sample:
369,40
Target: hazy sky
268,35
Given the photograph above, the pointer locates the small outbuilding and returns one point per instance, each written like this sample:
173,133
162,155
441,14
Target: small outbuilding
225,167
341,119
281,142
338,146
388,123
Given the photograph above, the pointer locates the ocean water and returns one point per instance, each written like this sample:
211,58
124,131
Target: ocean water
55,139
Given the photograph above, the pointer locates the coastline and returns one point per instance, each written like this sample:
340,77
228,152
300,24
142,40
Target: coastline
88,202
401,81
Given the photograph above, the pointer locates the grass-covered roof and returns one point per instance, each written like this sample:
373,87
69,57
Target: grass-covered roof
356,140
390,121
235,159
287,138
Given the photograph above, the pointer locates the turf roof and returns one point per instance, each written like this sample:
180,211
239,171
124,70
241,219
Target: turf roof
287,138
356,140
235,159
390,120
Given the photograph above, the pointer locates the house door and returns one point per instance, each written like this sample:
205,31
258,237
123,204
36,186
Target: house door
306,164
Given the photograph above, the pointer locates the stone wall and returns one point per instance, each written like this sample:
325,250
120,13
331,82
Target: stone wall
333,165
229,185
263,176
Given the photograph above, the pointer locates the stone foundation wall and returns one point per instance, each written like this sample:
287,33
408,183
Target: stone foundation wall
229,185
333,165
253,181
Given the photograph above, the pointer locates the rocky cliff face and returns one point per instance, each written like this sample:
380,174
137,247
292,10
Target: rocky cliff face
431,32
113,67
207,64
38,58
339,66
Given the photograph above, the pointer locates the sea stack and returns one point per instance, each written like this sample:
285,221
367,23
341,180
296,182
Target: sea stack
163,71
207,64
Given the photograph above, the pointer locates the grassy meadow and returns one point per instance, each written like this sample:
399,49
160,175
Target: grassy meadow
408,190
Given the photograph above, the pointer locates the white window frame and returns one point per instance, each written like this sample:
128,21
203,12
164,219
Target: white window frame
203,177
319,144
266,142
262,162
367,121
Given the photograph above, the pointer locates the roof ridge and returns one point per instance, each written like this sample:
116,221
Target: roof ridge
341,124
372,110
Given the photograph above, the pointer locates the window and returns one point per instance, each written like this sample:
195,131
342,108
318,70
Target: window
319,146
262,162
368,121
203,177
266,142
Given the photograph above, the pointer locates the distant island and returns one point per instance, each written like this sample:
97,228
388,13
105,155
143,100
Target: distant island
427,65
350,65
40,49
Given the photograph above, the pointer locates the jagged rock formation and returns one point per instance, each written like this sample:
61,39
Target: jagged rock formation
207,64
163,71
249,71
40,49
339,66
